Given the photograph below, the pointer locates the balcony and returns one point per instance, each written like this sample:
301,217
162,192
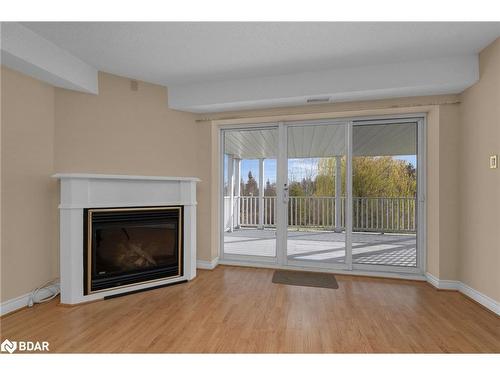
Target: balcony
384,229
320,161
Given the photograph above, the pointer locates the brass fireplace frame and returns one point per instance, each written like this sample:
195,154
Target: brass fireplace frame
88,249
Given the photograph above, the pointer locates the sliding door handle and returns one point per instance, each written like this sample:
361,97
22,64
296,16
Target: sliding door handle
285,193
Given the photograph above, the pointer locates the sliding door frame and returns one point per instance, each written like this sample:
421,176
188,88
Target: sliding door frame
281,261
347,265
419,120
240,258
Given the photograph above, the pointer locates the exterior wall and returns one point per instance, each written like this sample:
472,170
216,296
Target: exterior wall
479,186
29,214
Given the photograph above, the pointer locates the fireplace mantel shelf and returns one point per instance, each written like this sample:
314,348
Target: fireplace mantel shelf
95,176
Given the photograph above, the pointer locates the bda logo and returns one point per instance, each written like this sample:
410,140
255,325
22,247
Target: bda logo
8,346
24,346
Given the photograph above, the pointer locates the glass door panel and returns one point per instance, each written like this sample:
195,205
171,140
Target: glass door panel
249,202
384,191
316,172
323,215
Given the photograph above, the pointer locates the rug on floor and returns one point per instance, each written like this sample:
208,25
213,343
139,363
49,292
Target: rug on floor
300,278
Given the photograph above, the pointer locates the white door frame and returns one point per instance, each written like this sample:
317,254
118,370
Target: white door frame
421,186
347,265
281,261
236,258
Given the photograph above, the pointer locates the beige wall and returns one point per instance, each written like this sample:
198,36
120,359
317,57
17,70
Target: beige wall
432,190
47,130
204,191
449,126
29,216
479,186
132,132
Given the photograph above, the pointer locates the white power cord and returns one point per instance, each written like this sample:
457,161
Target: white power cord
52,286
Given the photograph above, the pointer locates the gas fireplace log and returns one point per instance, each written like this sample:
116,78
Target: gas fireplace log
137,249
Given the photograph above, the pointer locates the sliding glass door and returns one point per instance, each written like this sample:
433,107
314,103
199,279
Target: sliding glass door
249,194
316,201
329,194
385,205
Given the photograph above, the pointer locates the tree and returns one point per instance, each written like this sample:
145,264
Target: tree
270,189
383,177
251,187
242,187
373,176
295,189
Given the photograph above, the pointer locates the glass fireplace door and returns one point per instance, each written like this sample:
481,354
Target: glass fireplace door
126,246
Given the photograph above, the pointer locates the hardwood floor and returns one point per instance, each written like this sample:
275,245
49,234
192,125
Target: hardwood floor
236,309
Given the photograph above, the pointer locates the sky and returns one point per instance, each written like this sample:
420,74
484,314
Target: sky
299,168
248,165
253,165
412,159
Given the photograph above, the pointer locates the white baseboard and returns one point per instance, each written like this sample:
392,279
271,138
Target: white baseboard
459,286
273,265
481,298
21,301
207,265
442,284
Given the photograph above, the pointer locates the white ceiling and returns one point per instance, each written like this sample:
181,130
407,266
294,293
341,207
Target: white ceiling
323,141
26,51
180,53
211,67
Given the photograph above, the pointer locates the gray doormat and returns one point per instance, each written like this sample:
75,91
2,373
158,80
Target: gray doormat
300,278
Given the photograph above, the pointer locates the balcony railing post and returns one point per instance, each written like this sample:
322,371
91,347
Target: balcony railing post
338,193
237,192
261,193
380,214
230,167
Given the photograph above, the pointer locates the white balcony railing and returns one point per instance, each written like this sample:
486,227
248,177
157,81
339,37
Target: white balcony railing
378,214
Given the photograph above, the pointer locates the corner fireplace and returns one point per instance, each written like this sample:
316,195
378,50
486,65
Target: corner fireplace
128,246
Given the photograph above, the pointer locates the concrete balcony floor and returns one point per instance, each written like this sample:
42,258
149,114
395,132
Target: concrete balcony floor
326,246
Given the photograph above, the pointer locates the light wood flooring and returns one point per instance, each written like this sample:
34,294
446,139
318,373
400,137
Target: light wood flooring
236,309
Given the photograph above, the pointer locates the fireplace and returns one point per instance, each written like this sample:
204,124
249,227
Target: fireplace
129,246
161,208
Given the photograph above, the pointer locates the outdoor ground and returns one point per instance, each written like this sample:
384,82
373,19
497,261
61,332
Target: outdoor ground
326,246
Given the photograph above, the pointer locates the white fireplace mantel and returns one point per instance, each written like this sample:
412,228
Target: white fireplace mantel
80,191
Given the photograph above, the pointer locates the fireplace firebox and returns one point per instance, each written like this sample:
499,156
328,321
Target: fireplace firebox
127,246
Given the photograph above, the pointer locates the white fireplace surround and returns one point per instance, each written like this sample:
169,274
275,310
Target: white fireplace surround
80,191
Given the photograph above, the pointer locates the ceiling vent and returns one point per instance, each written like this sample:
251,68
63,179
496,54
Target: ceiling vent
324,99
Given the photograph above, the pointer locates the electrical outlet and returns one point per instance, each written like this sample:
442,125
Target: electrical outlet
494,161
